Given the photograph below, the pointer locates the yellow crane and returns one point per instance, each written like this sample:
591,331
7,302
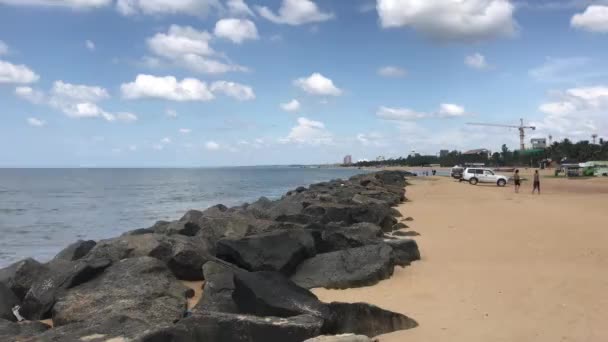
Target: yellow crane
522,130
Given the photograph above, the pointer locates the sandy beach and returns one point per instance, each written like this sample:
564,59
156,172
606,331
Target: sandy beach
500,266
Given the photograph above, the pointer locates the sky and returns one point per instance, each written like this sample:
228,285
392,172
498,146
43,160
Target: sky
189,83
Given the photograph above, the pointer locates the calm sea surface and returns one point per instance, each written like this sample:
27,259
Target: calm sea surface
43,210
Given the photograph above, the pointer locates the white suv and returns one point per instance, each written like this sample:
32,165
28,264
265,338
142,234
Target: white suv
479,175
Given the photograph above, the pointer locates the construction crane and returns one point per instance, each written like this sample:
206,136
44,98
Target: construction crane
521,128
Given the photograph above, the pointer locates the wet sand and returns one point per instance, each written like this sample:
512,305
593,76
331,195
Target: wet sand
499,266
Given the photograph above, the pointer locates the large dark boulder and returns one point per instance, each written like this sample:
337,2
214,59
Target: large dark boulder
404,251
280,251
140,288
60,276
219,285
366,319
355,267
271,294
335,238
224,327
11,331
76,251
20,276
7,301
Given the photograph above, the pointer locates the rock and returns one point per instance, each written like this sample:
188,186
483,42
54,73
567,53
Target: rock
395,212
400,225
360,199
271,294
225,327
139,288
338,238
404,251
76,251
354,267
20,276
60,276
405,234
280,251
11,331
8,300
340,338
368,320
140,231
219,285
409,219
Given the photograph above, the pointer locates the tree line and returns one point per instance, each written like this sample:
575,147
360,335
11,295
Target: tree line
559,151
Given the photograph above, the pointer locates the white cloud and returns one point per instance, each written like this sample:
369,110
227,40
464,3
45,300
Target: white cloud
449,110
186,47
74,4
16,73
212,146
392,71
3,48
235,90
236,30
450,20
78,92
309,132
165,140
239,7
185,130
126,117
557,108
30,94
89,45
476,61
291,106
172,113
317,84
593,19
399,114
164,7
565,70
168,88
295,12
371,139
35,122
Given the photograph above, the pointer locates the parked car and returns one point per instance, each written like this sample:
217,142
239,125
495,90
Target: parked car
456,172
480,175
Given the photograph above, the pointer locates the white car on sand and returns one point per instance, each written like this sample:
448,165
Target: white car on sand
480,175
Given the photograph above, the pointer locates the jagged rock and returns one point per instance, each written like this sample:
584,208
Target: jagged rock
406,234
360,199
219,285
225,327
338,238
400,225
280,251
340,338
60,276
140,231
395,212
140,288
404,251
366,319
11,331
408,219
271,294
76,251
260,208
7,301
20,276
354,267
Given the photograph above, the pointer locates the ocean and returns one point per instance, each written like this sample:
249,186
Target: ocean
44,210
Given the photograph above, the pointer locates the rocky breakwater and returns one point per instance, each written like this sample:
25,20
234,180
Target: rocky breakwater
257,261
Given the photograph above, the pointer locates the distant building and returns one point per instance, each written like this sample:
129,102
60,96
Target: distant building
538,143
480,151
348,160
444,153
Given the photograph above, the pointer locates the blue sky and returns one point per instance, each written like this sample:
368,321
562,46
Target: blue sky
249,82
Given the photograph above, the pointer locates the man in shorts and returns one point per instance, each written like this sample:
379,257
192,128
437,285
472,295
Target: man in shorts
517,181
536,182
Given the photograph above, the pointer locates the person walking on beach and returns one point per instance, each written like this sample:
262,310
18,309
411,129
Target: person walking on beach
517,181
536,182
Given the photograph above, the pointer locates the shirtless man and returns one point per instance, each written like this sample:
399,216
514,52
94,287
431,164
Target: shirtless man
536,182
517,181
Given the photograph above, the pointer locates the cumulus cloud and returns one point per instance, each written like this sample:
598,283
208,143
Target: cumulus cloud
317,84
371,139
236,30
3,48
30,94
16,73
235,90
295,12
35,122
399,114
450,110
212,146
186,47
126,117
168,88
82,93
291,106
449,20
185,130
476,61
239,8
172,113
164,7
89,45
165,140
309,132
593,19
73,4
392,71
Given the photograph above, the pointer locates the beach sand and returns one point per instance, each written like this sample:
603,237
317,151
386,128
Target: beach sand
499,266
197,286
